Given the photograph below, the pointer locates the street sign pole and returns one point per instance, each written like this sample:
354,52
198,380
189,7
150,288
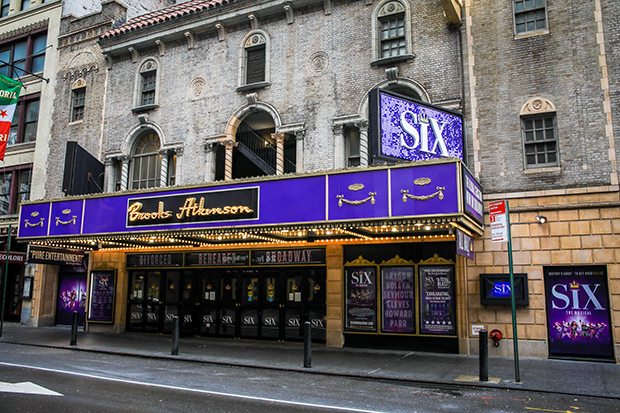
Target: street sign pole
512,298
500,232
6,278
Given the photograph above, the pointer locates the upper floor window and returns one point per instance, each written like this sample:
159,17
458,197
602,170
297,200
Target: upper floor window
25,120
146,163
14,188
391,33
26,54
25,5
147,85
539,133
5,7
540,140
530,16
254,70
78,100
352,146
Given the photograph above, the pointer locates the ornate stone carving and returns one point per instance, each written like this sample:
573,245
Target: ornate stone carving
392,7
318,63
255,40
537,105
197,88
148,66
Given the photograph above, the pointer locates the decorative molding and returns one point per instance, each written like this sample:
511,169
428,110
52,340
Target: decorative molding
80,73
397,261
392,7
161,46
148,66
288,11
191,43
318,63
253,21
360,261
78,84
25,29
327,6
537,105
197,88
436,259
255,40
221,31
134,54
392,75
143,119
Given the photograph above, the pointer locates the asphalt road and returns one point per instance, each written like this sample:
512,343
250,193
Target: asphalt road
72,381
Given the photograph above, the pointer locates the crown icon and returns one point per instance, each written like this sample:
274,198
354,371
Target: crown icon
189,286
270,288
317,287
574,285
228,287
294,287
250,287
209,287
424,118
171,286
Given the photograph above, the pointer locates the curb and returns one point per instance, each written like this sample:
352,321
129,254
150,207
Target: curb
508,386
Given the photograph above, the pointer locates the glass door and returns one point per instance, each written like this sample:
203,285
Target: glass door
271,300
171,302
153,304
317,304
136,300
190,304
228,294
294,305
249,304
208,302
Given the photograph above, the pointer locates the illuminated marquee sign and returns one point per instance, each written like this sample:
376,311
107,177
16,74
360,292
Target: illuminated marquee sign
402,128
226,205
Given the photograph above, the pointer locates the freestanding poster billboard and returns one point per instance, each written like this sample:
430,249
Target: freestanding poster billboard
402,128
578,312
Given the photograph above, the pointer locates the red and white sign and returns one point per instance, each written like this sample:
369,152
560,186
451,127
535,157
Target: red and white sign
14,257
499,221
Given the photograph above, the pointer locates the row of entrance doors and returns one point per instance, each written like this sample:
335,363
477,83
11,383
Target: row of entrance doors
236,303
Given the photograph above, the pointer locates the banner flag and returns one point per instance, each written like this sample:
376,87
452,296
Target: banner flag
9,92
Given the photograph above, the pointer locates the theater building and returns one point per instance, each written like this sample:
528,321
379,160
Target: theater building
271,163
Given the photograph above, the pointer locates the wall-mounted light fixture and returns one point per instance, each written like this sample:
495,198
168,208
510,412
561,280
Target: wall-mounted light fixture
541,219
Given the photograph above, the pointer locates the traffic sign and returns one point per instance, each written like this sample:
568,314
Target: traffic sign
499,221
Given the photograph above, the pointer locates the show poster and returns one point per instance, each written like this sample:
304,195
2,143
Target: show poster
71,298
578,312
361,299
101,296
437,300
398,294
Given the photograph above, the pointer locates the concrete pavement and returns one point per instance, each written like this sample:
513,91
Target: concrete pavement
543,375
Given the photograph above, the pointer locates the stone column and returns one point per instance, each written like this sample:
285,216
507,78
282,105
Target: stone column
279,138
210,163
124,171
109,175
338,146
229,144
363,127
299,150
163,173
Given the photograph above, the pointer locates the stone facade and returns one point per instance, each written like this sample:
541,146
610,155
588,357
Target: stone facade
572,64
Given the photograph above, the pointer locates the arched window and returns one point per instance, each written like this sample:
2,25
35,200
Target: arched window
254,70
146,163
391,33
539,132
147,86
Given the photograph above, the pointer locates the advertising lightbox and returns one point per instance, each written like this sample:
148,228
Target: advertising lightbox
402,128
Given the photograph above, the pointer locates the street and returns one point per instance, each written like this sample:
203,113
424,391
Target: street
77,381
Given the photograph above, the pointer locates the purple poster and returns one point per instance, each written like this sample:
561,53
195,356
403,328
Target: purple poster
437,301
71,297
361,299
398,294
101,296
474,203
578,311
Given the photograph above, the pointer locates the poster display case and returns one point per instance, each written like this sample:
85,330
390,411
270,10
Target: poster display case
102,294
400,297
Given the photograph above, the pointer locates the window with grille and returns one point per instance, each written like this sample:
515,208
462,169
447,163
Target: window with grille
255,71
78,101
147,88
146,162
540,141
393,37
530,16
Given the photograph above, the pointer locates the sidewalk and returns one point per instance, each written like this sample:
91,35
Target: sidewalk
555,376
